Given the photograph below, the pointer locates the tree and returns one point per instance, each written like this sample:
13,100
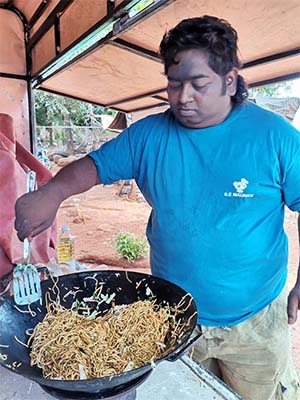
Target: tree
54,110
267,90
51,108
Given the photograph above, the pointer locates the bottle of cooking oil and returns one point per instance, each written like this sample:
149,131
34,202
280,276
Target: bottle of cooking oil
66,247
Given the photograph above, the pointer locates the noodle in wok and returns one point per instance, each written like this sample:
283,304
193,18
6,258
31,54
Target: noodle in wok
70,346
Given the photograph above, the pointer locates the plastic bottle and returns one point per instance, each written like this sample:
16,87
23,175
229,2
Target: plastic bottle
66,247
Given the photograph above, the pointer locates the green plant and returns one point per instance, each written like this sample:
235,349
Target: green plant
130,247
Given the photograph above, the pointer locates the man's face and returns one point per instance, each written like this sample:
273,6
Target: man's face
197,95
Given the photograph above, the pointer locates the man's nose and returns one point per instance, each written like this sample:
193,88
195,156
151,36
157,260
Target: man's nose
185,95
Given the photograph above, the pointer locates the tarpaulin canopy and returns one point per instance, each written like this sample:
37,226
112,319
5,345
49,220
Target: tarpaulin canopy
105,51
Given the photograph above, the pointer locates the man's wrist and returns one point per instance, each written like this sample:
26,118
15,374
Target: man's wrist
54,191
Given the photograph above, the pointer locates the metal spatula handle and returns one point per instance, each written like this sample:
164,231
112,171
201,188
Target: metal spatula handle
26,251
30,187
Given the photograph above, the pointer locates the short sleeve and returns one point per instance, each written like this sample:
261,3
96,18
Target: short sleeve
290,166
114,159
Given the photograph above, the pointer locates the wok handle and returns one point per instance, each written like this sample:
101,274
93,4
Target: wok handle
43,270
179,353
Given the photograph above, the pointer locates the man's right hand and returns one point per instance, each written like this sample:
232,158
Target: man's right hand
35,212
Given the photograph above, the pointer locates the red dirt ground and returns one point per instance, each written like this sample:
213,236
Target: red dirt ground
97,216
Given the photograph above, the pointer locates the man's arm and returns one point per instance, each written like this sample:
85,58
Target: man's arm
36,211
294,296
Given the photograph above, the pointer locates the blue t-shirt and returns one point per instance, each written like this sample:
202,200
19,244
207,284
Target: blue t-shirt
217,196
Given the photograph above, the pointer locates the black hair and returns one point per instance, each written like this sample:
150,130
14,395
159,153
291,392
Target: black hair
213,35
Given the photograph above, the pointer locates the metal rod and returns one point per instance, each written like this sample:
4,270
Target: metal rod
148,107
275,80
38,13
161,98
133,48
50,20
272,58
57,35
137,97
13,76
78,98
110,4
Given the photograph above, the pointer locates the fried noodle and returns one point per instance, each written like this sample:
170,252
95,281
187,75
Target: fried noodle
70,346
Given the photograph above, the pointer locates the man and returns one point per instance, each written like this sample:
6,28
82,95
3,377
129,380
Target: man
217,171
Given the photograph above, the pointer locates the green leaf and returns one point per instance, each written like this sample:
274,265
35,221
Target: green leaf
130,247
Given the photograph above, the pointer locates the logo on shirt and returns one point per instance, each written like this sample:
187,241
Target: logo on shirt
240,187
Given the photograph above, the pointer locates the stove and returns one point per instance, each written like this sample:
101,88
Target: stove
126,391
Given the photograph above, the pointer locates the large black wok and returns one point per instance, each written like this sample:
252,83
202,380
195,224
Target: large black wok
14,323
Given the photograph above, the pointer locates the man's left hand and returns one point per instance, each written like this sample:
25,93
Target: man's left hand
293,304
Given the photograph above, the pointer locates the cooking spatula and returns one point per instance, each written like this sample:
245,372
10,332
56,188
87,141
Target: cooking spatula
26,278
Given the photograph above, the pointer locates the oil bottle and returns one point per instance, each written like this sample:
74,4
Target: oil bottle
66,247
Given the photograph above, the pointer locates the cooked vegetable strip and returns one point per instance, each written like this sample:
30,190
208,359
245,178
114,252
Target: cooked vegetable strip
29,311
20,342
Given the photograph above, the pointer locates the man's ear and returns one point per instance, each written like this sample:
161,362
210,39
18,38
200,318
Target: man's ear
231,81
